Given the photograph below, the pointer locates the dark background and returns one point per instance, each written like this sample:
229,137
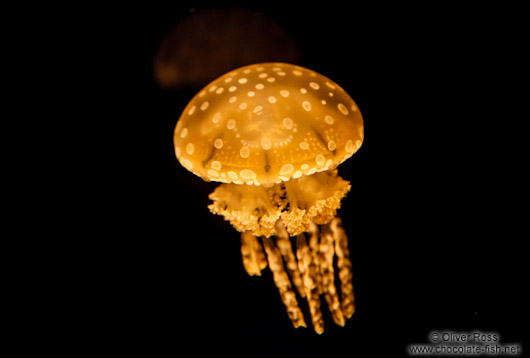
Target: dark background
432,216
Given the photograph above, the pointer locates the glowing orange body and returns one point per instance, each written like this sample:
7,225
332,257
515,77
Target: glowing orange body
267,123
274,133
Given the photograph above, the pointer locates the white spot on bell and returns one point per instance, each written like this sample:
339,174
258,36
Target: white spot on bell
247,174
244,152
306,105
251,93
232,99
242,80
271,99
213,173
233,175
342,108
304,145
190,148
330,85
297,73
305,166
314,85
332,145
187,164
192,110
284,93
232,88
260,86
287,123
204,105
266,143
184,133
329,119
216,165
286,169
349,146
220,90
271,79
297,174
243,105
231,124
320,159
258,109
216,117
218,143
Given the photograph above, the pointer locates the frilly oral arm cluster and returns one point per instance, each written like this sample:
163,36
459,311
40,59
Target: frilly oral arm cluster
298,203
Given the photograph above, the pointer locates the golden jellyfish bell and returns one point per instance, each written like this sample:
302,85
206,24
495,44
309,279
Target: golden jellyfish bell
273,133
267,123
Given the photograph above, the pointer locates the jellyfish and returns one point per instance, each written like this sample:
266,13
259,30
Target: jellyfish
184,57
273,134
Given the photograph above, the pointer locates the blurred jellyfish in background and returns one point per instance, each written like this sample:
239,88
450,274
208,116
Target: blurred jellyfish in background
215,40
